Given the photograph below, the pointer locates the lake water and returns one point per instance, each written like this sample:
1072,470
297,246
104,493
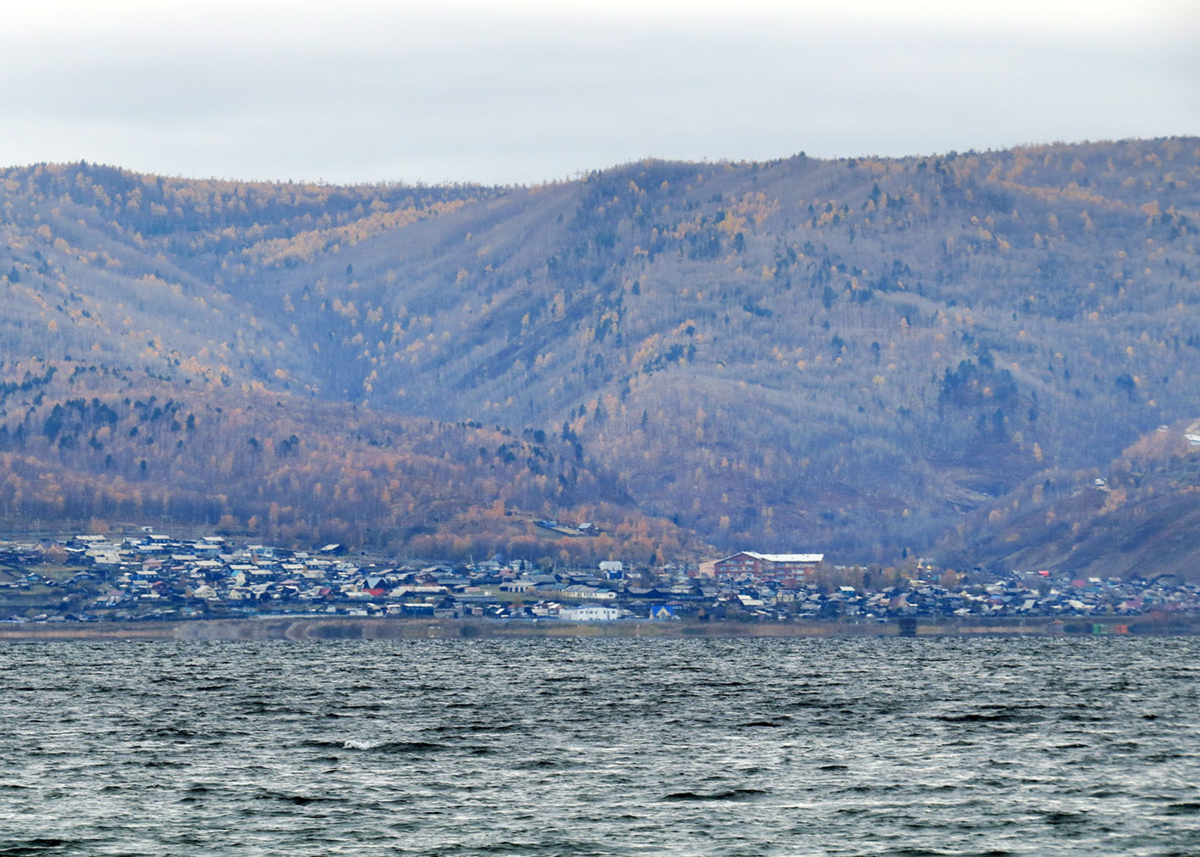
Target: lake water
581,746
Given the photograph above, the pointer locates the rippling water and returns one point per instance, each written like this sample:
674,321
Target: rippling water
576,747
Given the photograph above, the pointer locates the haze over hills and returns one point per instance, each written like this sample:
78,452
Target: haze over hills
868,357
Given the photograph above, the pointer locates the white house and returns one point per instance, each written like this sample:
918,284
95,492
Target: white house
589,613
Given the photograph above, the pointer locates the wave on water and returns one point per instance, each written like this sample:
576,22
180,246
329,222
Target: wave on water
724,794
378,746
35,847
297,799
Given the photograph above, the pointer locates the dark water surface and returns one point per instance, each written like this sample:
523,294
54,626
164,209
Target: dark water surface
625,746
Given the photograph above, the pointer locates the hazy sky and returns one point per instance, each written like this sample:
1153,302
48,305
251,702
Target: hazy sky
528,90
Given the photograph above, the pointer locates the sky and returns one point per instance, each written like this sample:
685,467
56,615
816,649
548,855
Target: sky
526,91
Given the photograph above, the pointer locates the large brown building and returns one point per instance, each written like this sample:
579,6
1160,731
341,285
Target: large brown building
767,564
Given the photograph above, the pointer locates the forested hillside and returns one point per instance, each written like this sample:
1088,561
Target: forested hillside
851,356
1138,515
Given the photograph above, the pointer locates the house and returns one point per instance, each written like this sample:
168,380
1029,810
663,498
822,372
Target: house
578,590
767,564
612,569
590,613
376,587
661,612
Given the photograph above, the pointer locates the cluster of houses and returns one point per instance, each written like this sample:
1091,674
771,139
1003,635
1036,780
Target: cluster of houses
1017,595
156,576
781,586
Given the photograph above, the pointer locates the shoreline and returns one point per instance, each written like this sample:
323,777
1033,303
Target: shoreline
334,628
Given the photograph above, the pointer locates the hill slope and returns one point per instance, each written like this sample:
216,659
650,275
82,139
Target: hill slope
845,355
1139,516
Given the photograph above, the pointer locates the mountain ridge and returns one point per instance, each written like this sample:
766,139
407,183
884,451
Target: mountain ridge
847,354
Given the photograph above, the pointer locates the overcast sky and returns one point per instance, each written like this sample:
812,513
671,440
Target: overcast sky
528,90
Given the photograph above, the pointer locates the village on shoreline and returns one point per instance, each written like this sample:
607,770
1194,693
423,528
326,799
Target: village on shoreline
156,577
